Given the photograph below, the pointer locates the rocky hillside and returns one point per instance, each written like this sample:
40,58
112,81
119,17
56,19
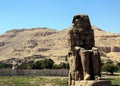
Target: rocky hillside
52,43
108,44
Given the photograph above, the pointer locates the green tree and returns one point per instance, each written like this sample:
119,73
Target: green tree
56,66
26,65
62,65
110,67
5,65
1,65
49,63
43,64
109,62
38,64
118,64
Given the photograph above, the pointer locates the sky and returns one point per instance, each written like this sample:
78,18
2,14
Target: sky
58,14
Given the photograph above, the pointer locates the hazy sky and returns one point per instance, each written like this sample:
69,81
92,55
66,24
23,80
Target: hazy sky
58,14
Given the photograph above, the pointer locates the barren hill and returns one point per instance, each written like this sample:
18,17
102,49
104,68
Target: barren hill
52,43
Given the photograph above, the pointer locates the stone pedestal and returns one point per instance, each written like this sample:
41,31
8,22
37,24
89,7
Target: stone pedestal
93,83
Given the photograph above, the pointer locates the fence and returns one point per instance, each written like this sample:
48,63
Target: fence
45,72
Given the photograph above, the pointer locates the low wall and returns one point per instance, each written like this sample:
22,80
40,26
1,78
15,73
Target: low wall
45,72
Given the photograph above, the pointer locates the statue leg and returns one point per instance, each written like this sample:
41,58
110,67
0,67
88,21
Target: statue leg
78,66
96,63
85,60
70,79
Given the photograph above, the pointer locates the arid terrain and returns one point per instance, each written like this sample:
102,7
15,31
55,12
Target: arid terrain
52,43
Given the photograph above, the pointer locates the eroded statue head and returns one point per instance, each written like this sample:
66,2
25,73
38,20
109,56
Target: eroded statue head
81,21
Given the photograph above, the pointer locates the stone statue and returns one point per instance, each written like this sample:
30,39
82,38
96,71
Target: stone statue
84,57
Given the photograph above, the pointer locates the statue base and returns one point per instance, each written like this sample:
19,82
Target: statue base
93,83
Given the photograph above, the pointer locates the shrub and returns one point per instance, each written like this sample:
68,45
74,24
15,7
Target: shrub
43,64
110,67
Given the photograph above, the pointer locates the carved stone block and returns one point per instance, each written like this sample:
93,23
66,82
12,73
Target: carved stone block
93,83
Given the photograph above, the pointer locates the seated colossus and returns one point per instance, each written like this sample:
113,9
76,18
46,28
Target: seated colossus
84,58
